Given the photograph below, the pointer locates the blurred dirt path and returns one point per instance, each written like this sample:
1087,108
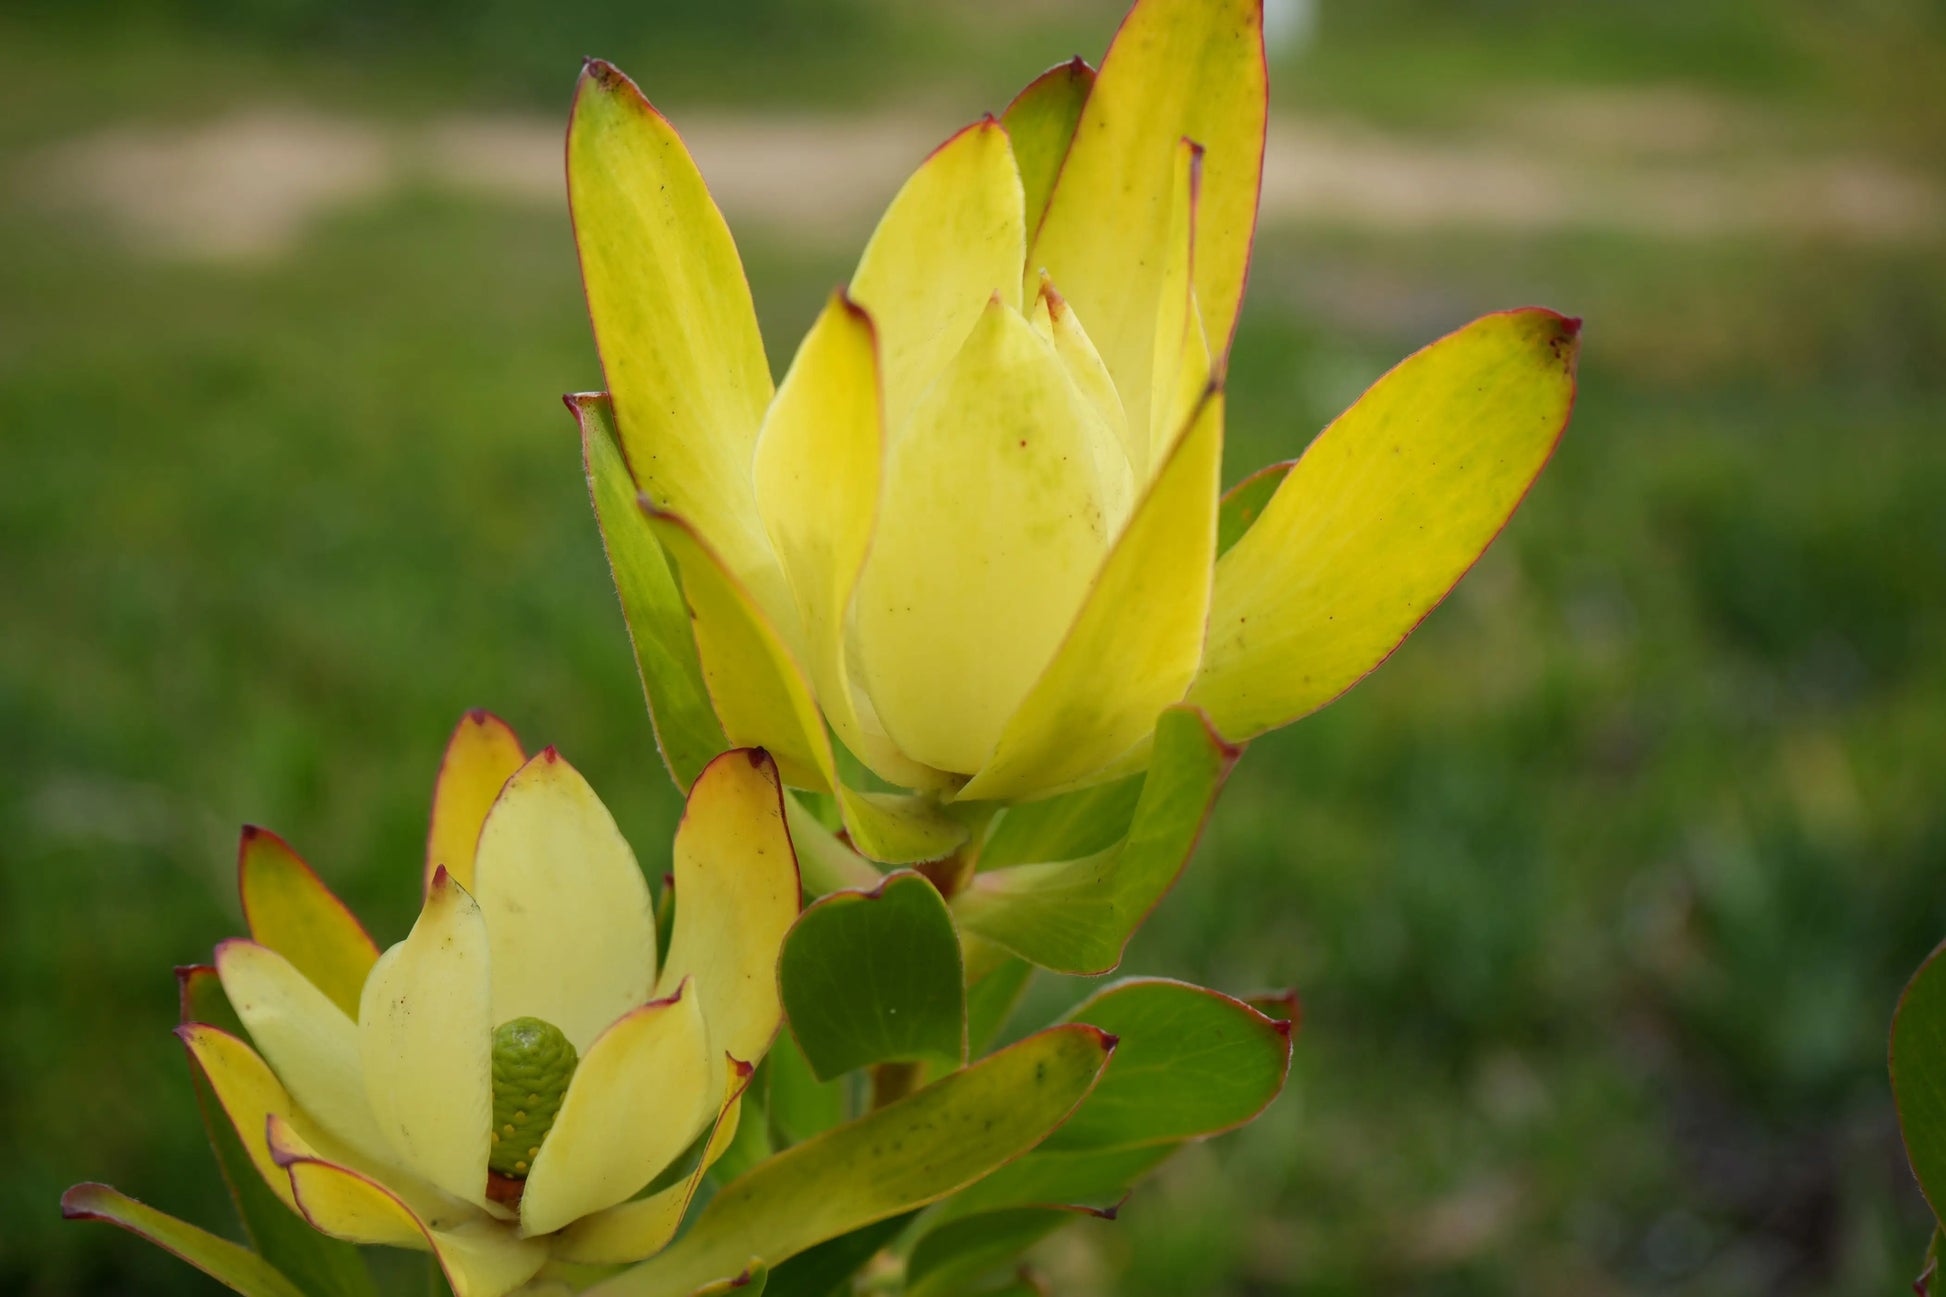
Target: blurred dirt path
1661,165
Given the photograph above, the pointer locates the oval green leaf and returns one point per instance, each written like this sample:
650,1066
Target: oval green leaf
1918,1062
1192,1063
875,977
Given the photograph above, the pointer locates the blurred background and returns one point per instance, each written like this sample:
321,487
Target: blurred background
1599,894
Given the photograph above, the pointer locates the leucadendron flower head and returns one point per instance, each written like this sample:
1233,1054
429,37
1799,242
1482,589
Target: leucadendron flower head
974,538
501,1086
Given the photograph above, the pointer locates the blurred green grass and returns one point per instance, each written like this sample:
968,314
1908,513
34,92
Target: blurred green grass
1599,893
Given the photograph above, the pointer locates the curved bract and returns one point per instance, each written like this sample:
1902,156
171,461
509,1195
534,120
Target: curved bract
973,547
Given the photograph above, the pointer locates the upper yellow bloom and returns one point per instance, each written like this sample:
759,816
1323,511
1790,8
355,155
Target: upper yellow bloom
973,534
379,1094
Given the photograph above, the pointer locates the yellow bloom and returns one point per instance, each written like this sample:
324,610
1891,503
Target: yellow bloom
379,1092
973,535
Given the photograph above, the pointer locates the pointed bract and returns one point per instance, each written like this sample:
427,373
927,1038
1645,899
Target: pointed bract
426,1027
569,919
481,756
290,910
737,894
673,319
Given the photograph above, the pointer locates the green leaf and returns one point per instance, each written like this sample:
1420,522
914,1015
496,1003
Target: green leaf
230,1264
992,997
1192,1063
1077,916
1919,1076
824,1271
1244,503
686,728
963,1251
1040,123
1094,1182
875,977
801,1105
1062,828
899,1158
323,1266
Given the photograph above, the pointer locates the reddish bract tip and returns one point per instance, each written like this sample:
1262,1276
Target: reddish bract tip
1109,1042
1282,1026
758,757
1571,325
550,754
74,1208
440,878
251,832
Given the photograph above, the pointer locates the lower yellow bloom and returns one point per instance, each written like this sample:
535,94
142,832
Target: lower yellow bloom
504,1085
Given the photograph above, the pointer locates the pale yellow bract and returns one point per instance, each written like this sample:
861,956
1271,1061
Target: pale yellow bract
371,1116
971,539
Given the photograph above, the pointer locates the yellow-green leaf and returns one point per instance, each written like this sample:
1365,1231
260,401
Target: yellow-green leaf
1077,916
1384,513
758,689
1093,1181
1064,827
900,1157
686,728
230,1264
